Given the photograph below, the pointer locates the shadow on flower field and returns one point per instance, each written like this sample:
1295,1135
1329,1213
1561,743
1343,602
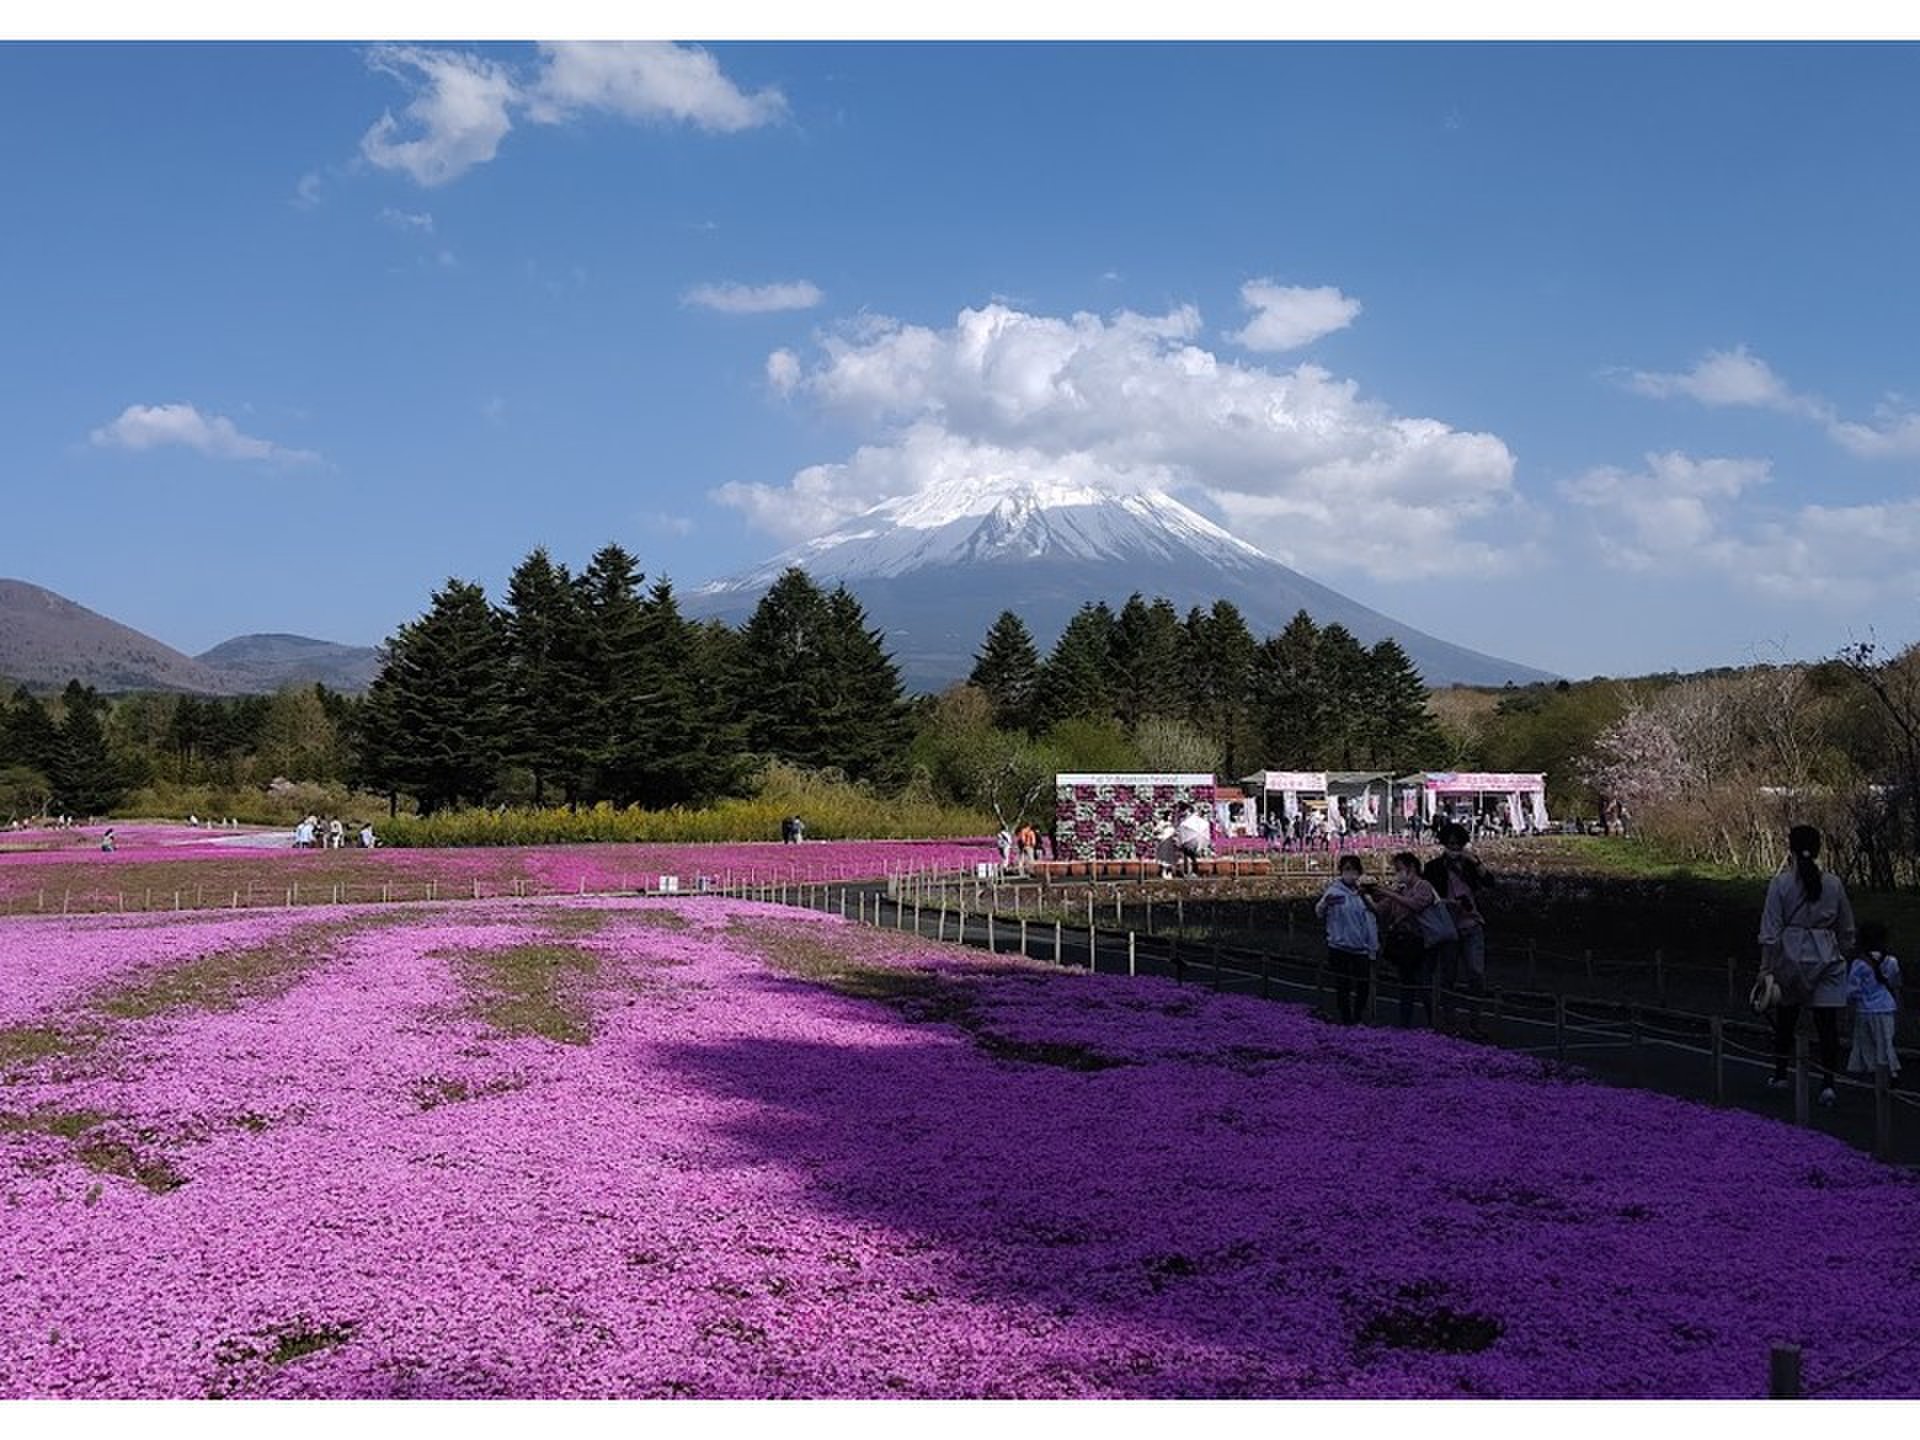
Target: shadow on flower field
1262,1204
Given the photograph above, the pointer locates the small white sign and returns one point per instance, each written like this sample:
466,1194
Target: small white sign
669,885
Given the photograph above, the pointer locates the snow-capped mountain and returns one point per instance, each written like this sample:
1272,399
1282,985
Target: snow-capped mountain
934,568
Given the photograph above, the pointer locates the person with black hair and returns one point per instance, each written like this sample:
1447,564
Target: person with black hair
1420,934
1353,939
1806,936
1873,985
1459,879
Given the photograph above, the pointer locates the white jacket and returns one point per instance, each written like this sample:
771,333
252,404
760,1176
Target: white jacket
1817,934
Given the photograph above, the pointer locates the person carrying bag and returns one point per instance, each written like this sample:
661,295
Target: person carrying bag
1806,935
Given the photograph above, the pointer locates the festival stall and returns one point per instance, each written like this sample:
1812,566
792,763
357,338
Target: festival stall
1113,816
1362,799
1465,796
1234,814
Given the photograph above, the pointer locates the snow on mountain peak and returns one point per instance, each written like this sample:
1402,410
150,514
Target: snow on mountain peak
981,520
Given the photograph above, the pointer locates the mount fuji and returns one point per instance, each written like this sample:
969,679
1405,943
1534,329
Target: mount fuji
933,569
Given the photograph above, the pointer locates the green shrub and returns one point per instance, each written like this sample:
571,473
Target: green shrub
833,808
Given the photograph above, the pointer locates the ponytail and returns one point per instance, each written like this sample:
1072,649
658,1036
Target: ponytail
1804,842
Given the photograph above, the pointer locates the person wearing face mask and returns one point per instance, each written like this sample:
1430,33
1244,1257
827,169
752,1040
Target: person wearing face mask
1460,880
1353,939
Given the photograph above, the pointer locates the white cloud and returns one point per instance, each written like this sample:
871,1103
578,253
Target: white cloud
149,427
421,220
1672,510
1285,317
457,117
1738,377
306,194
1681,515
1733,377
1892,435
1298,460
646,80
783,371
734,299
463,104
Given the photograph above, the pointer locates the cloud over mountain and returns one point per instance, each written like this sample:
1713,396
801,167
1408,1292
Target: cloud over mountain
1298,460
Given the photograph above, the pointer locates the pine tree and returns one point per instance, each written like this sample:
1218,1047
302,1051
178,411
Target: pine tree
1008,670
547,675
1145,663
434,721
1290,696
781,661
872,726
1408,734
32,736
1073,682
85,779
1220,682
1349,724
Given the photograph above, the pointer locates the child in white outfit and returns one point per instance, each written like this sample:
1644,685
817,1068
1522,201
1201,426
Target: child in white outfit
1873,986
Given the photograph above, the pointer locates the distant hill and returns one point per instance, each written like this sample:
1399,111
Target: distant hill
268,662
47,640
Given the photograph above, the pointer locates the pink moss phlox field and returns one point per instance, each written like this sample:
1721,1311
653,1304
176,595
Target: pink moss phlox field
135,837
548,868
1003,1181
47,963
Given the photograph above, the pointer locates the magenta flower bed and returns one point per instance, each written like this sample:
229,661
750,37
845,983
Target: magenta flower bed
747,1184
131,868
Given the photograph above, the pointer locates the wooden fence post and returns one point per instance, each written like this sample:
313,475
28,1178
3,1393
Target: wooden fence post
992,949
1882,1113
1783,1373
1093,951
1799,1078
1131,970
1057,958
1718,1029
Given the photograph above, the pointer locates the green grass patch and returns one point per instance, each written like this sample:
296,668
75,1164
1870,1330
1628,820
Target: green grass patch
22,1045
540,989
223,980
103,1153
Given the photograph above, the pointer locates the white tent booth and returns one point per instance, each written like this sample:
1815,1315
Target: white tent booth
1519,798
1363,798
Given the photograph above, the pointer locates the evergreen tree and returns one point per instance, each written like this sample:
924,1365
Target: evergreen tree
547,675
780,661
872,724
1220,686
1145,664
1290,696
32,737
433,723
1349,727
1408,734
85,779
1073,682
1008,670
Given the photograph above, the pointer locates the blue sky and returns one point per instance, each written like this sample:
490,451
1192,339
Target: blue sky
1596,357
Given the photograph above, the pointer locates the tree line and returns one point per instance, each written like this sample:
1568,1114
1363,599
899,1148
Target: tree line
1310,697
589,687
595,687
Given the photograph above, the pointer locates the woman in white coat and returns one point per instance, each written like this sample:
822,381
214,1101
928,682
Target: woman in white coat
1806,934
